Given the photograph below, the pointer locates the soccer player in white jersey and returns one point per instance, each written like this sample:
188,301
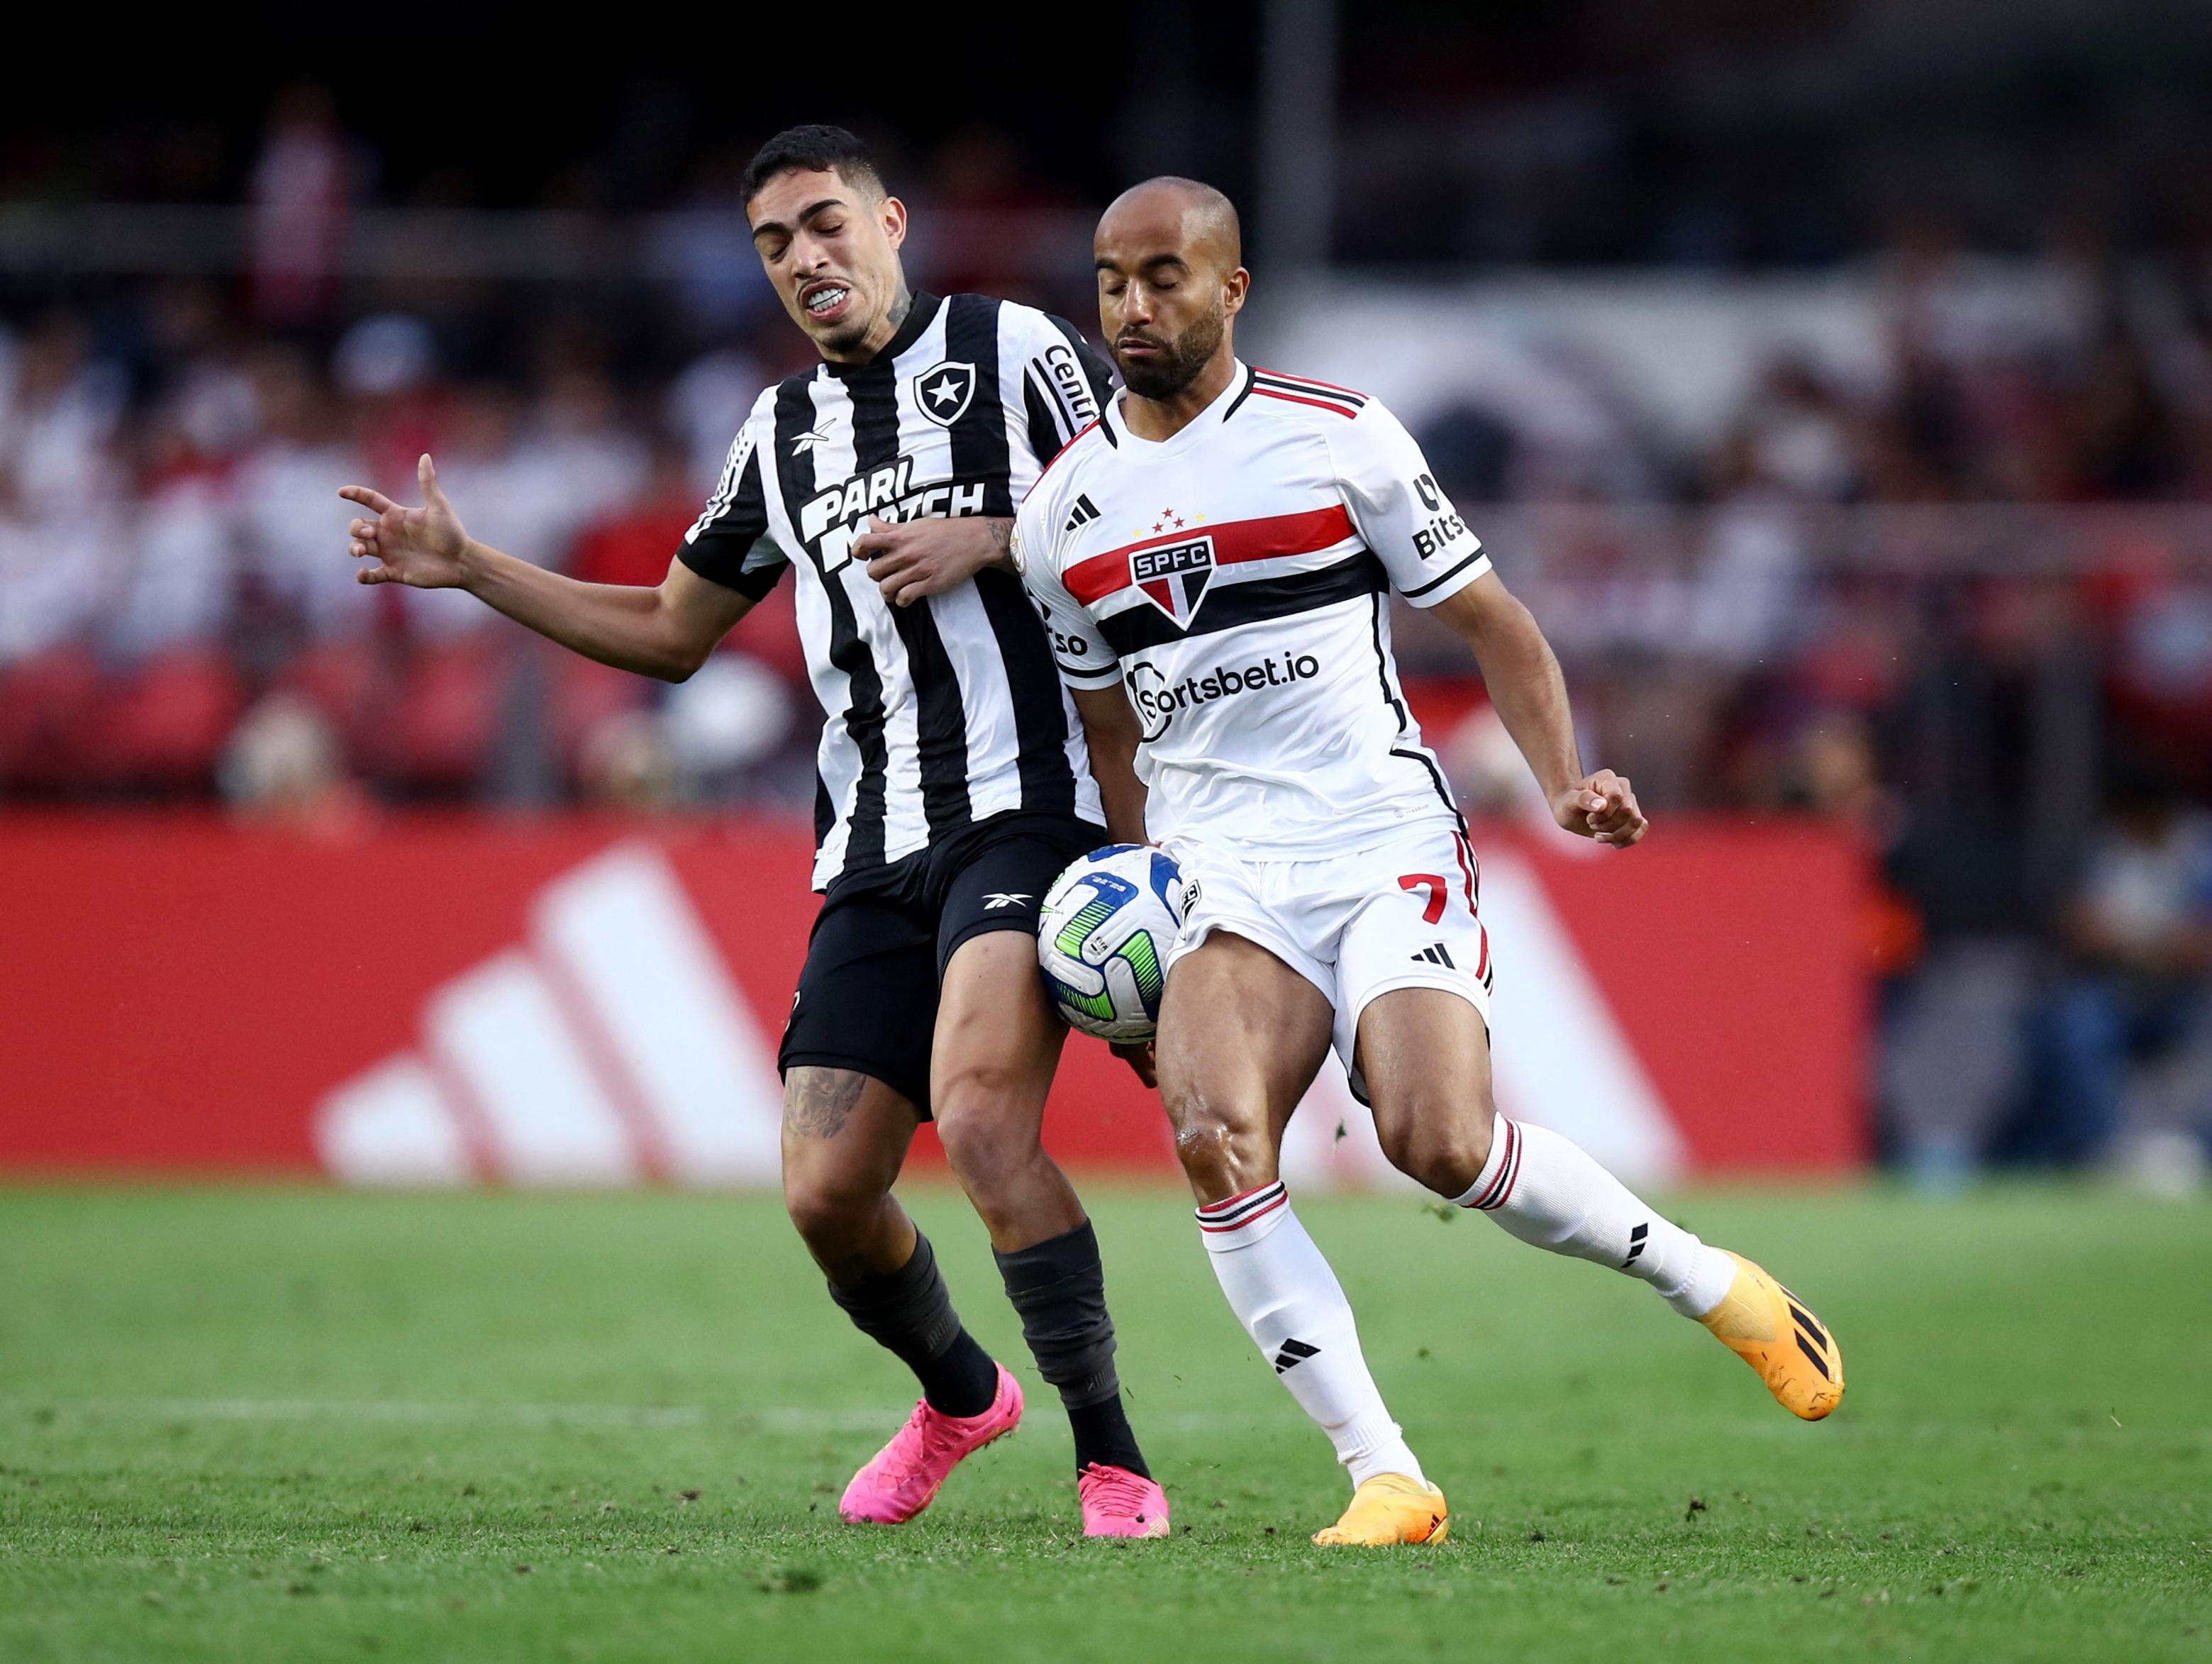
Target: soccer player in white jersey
1215,559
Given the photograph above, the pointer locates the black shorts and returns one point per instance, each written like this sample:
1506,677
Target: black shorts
868,997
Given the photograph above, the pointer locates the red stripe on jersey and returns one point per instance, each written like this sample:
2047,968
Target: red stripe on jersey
1309,533
1318,403
1066,448
1306,380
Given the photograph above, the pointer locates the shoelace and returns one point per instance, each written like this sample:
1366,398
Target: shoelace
938,1433
1115,1489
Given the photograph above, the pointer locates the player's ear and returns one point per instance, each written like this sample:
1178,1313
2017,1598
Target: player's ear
1234,287
891,214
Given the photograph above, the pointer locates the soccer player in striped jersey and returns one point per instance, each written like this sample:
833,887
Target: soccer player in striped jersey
953,786
1215,558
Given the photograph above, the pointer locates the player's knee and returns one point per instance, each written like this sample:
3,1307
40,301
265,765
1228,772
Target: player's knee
1212,1140
1441,1143
829,1209
987,1121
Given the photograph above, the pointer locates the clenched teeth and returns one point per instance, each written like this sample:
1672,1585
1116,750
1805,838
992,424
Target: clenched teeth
823,299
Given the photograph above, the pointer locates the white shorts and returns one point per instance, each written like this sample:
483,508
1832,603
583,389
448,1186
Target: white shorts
1399,914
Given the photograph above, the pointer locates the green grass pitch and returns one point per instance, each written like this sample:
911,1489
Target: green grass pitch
288,1424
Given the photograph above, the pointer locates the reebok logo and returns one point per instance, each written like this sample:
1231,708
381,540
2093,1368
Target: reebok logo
1293,1353
998,898
1085,512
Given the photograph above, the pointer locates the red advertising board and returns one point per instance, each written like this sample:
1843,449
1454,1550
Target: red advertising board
577,1001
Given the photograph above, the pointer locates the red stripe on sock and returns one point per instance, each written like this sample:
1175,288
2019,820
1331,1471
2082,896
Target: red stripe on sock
1231,1202
1503,1181
1256,1213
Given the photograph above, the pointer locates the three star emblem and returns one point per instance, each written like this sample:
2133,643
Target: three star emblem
1169,520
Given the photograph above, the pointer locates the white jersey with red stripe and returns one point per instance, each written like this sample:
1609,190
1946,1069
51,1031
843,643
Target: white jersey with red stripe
1235,578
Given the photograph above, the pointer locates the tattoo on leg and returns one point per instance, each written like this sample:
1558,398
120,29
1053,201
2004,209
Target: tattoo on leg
820,1101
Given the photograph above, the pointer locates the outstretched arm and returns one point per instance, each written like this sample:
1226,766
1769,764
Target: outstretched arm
1531,696
667,632
1109,726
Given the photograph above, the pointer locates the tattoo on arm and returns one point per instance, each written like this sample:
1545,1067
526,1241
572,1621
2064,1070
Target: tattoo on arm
1002,539
820,1099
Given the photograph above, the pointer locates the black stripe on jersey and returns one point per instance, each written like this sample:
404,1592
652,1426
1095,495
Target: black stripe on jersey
1087,359
721,544
1050,425
1382,665
979,450
1033,687
1305,389
1227,605
1420,589
1398,706
1437,779
848,653
1250,377
940,719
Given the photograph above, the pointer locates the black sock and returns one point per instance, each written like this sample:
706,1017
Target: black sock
910,1312
1103,1434
1059,1287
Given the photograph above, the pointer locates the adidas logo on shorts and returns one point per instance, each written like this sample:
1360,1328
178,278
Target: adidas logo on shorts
1434,954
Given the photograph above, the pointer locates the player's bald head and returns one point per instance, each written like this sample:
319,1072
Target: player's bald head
1189,216
1171,279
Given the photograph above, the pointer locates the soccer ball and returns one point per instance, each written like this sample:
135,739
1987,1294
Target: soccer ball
1103,936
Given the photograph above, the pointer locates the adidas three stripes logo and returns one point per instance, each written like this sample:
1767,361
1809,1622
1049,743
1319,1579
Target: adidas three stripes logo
1293,1353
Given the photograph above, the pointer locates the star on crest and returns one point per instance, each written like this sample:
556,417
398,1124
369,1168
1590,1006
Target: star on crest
946,390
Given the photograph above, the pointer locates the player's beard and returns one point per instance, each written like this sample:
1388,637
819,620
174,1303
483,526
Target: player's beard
1185,359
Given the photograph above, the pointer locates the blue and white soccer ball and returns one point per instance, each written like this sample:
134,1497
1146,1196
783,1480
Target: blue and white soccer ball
1103,937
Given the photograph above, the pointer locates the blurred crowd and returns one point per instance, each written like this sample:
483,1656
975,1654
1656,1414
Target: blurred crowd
1952,596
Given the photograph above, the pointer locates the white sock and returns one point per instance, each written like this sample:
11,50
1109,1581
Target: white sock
1544,1190
1291,1303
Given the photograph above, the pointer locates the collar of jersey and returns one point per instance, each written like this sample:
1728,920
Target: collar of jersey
918,318
1212,416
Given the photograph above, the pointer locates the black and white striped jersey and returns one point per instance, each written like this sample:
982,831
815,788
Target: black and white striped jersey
949,710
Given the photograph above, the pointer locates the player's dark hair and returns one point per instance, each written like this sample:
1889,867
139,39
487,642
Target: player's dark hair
812,149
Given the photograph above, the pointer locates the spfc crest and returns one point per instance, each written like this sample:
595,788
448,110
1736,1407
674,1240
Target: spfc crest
942,392
1173,577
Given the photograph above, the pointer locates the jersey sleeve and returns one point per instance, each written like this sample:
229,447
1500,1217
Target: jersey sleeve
1400,510
1063,383
1084,659
730,542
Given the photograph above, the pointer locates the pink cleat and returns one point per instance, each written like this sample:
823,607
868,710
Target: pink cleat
1119,1504
905,1474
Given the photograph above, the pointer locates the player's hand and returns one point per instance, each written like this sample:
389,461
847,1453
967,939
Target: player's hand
1142,1058
915,558
425,548
1603,807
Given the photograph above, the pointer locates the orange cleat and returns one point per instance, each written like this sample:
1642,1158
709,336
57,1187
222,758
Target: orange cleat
1390,1508
1773,1330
